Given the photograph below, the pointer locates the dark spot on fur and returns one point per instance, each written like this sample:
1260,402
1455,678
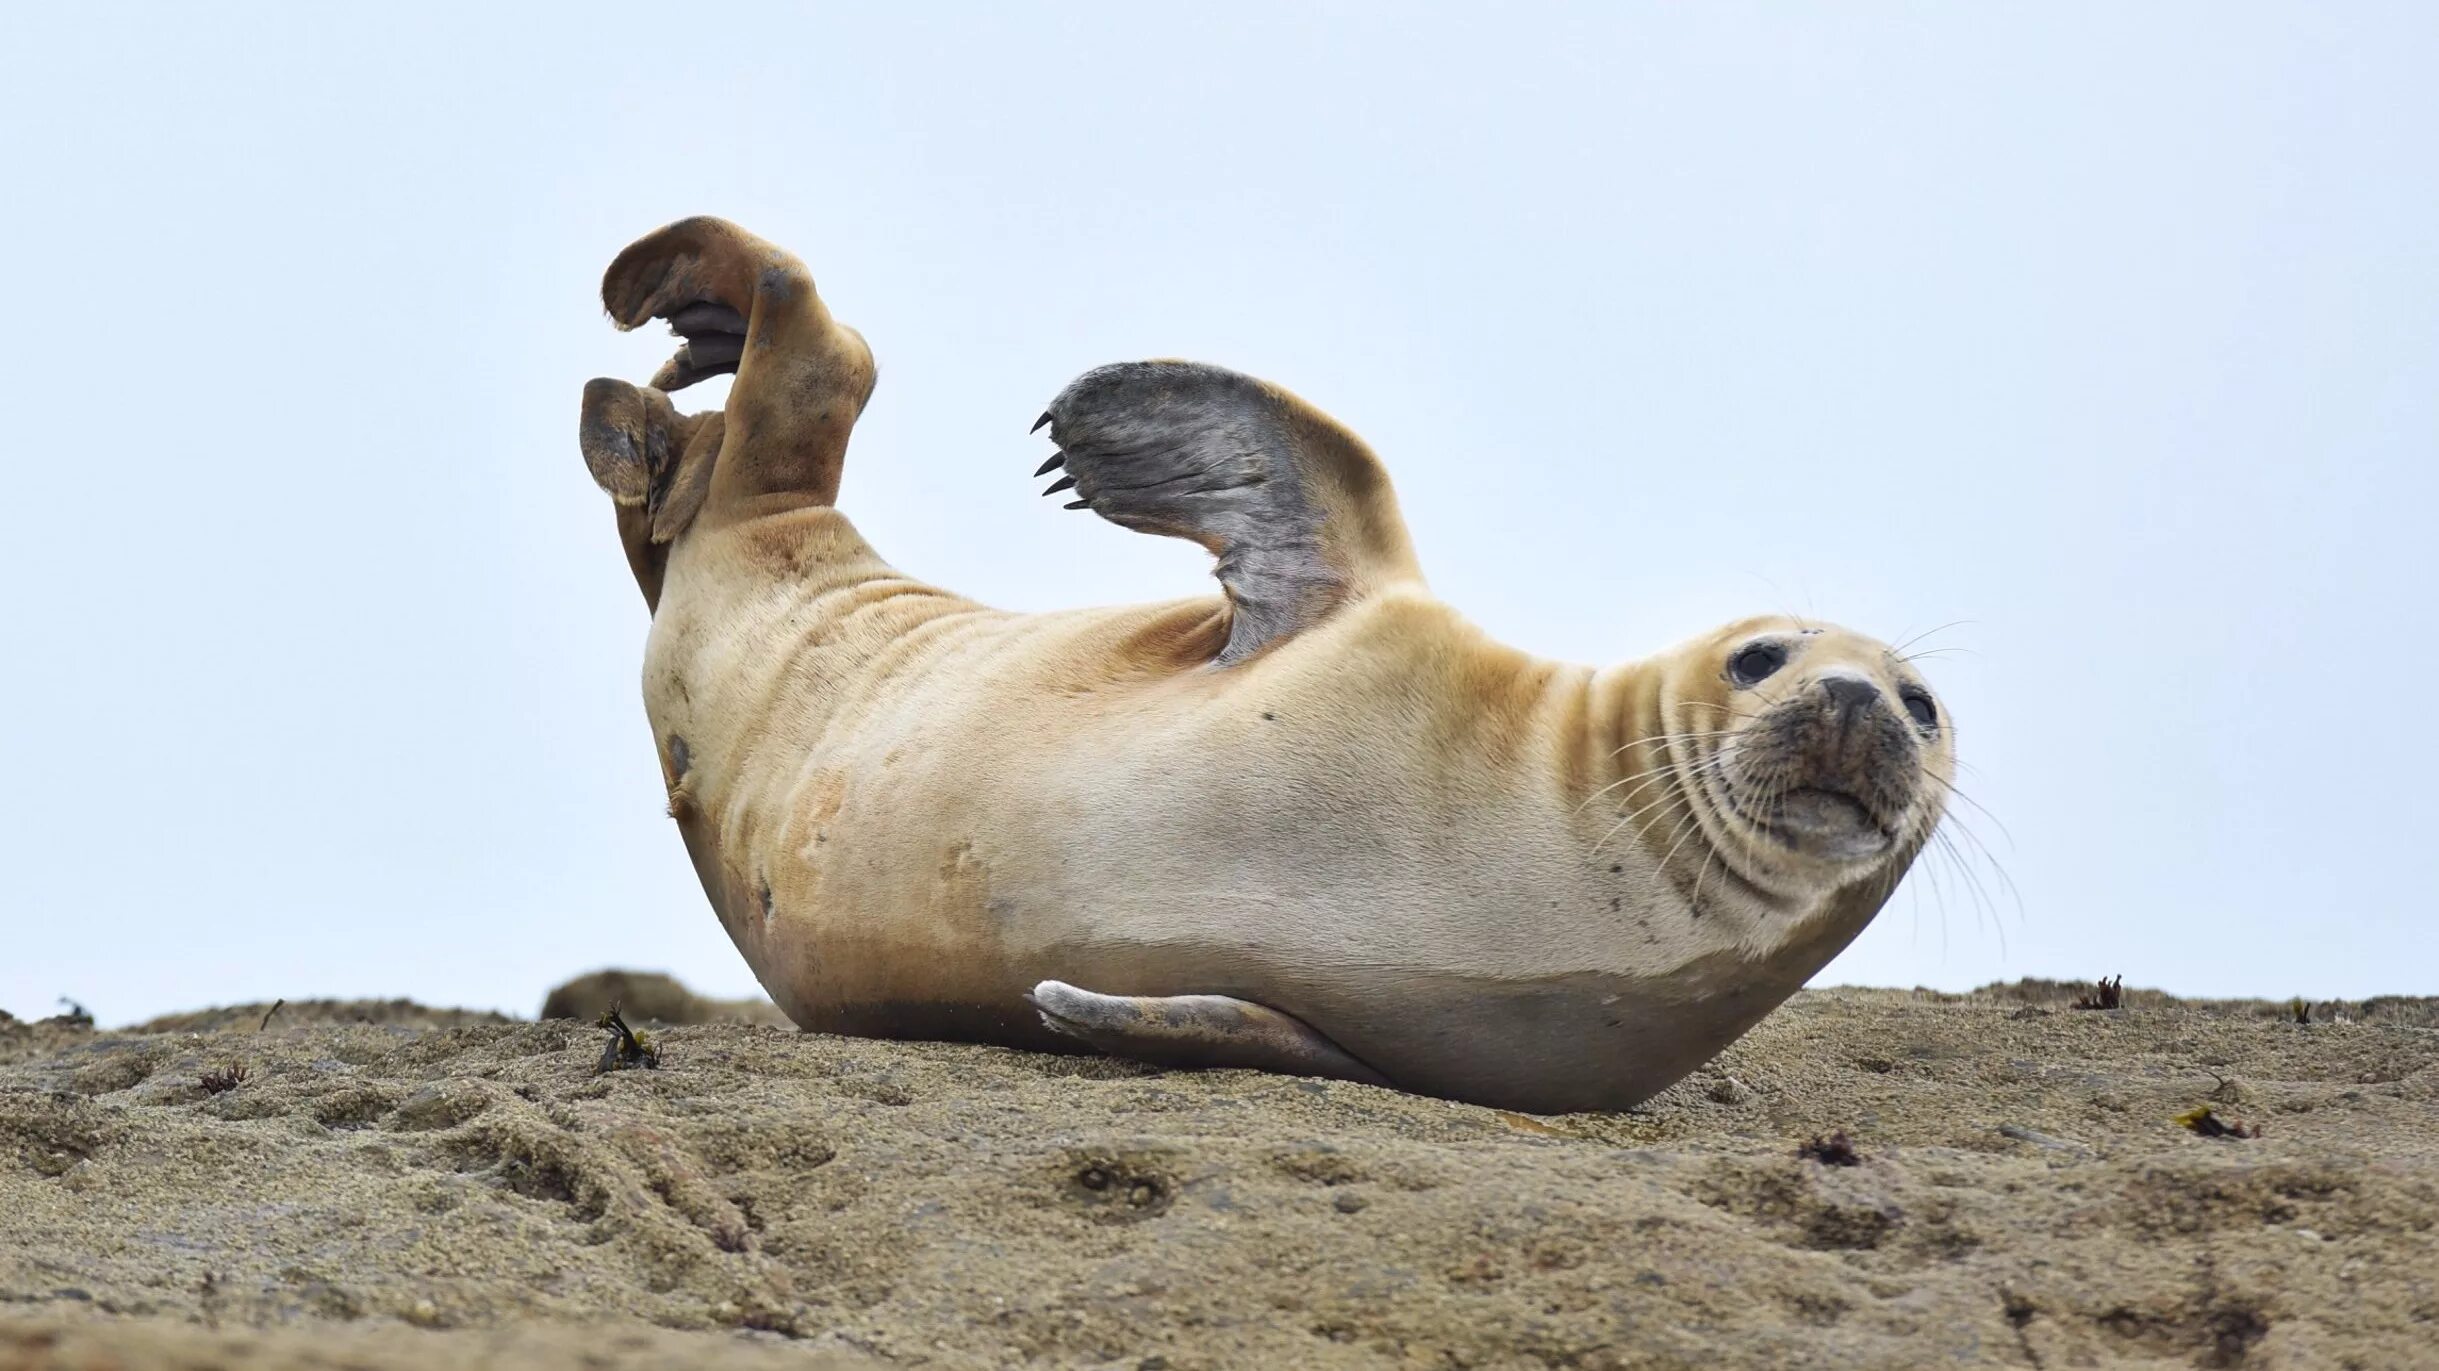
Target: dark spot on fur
681,757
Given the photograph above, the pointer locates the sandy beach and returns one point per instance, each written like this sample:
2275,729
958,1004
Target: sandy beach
384,1185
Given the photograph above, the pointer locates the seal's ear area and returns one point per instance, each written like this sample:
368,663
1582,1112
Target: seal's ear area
1297,509
648,456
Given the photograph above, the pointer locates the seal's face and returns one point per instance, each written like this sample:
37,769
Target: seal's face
1816,752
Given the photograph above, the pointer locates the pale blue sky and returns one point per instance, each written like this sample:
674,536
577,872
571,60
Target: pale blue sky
2111,329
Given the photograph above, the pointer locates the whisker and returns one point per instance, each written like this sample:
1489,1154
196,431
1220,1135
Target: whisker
1913,932
1953,789
1973,882
1670,798
1664,768
1643,830
1997,869
1647,779
1671,854
1724,709
1666,737
1953,623
1939,899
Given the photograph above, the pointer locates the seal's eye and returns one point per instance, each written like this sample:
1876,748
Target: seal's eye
1756,663
1919,705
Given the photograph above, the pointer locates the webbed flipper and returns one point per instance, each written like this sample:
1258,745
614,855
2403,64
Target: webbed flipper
742,306
1297,509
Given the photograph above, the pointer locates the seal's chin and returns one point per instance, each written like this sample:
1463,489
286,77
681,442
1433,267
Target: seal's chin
1817,821
1829,825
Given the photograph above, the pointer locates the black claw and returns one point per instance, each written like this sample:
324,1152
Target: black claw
1037,424
1077,504
1063,483
1050,466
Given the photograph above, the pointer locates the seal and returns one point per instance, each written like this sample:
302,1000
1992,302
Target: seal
1318,823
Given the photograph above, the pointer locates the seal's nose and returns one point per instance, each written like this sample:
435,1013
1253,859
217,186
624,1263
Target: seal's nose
1849,695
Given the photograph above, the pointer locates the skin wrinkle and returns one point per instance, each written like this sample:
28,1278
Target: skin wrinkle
1321,796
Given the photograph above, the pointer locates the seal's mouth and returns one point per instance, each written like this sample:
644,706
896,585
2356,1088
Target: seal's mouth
1821,784
1821,822
1815,821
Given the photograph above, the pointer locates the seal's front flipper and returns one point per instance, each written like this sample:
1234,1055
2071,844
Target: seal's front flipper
1298,511
1196,1031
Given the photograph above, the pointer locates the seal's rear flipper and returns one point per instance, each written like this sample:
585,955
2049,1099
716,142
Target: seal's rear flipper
654,462
1298,511
1196,1031
744,306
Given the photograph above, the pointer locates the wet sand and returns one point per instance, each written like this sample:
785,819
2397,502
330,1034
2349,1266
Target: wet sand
393,1186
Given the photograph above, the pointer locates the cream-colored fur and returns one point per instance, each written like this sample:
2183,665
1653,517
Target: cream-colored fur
1482,874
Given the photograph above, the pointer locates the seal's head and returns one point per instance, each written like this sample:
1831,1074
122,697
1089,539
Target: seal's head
1814,757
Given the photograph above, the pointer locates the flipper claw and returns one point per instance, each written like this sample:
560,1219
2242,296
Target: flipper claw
1296,508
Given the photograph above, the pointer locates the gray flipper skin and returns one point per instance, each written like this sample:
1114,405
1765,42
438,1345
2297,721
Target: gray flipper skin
1196,1031
1296,508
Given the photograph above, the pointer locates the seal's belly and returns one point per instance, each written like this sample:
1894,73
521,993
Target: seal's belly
903,845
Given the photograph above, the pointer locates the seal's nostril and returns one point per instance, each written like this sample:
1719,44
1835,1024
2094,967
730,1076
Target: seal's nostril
1850,694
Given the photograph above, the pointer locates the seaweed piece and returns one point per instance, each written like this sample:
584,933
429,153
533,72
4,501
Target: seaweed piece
2109,992
626,1048
2201,1119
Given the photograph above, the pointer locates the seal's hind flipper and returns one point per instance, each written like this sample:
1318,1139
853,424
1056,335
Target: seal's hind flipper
656,465
1298,511
744,306
1196,1031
